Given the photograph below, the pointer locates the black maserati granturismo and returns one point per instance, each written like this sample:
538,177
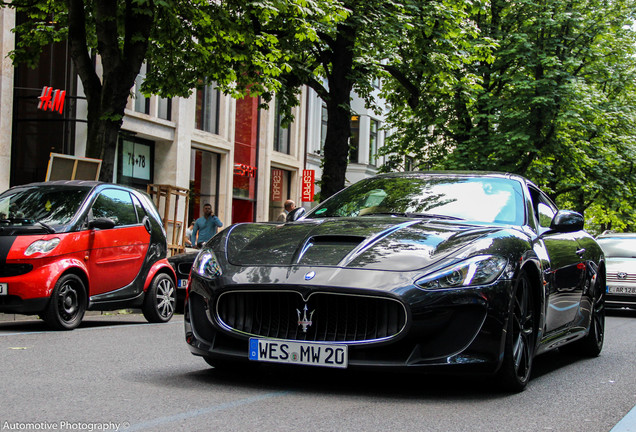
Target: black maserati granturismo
429,271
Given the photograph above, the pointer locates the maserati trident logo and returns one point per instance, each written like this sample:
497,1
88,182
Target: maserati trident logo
304,321
622,275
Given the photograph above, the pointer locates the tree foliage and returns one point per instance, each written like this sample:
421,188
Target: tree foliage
542,89
185,43
337,57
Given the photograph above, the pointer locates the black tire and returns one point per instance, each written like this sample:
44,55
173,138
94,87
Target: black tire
592,344
515,370
67,305
160,300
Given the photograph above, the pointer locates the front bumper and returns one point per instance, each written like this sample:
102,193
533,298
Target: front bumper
15,304
454,329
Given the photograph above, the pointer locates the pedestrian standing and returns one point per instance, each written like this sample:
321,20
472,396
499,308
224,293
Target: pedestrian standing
205,227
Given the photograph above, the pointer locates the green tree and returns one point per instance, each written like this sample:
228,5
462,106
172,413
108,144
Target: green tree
344,57
184,42
546,95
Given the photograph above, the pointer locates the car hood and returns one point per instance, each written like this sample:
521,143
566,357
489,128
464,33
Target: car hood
389,243
615,265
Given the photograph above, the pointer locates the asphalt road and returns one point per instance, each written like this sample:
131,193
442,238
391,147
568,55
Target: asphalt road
120,373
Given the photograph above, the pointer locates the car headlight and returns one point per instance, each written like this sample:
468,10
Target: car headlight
42,246
478,270
206,265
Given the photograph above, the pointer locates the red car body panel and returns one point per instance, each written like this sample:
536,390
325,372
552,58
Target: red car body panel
116,255
108,265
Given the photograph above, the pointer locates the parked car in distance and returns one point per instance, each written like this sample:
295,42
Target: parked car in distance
620,255
71,246
428,271
182,264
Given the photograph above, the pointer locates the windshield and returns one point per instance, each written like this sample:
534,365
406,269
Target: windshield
480,199
50,205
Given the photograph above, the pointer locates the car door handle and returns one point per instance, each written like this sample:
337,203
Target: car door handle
580,252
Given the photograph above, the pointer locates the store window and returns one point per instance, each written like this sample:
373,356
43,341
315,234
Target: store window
281,134
280,191
207,109
204,182
373,142
354,139
36,133
135,161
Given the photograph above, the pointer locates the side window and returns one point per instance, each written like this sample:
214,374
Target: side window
141,212
545,214
116,205
544,210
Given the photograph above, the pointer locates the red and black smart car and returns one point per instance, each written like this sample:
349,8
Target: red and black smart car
71,246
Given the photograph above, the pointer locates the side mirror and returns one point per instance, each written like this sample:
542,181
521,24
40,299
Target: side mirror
567,221
295,214
101,223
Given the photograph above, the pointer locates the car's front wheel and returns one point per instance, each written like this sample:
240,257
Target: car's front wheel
67,305
161,298
520,338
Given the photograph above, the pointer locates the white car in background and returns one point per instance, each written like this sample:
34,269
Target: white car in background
620,254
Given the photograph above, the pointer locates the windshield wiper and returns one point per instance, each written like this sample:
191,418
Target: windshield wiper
48,228
433,216
12,221
385,214
413,215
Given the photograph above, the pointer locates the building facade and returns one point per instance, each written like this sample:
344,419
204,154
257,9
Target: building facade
226,152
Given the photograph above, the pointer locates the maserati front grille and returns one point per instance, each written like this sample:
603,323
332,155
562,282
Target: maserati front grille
324,317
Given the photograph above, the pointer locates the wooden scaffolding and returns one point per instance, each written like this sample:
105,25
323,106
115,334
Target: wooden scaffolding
166,198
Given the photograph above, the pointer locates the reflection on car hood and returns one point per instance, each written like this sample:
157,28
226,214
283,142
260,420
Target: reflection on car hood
386,243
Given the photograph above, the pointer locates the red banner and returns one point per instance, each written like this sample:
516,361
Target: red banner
277,185
308,185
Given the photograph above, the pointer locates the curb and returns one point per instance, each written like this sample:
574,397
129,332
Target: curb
9,317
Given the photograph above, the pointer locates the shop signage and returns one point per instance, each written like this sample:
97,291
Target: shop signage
52,100
308,185
277,185
244,170
136,160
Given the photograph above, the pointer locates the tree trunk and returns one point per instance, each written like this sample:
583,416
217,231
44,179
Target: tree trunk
339,113
336,148
102,144
108,94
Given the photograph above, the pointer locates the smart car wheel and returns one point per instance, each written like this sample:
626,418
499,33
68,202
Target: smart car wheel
520,338
160,299
67,304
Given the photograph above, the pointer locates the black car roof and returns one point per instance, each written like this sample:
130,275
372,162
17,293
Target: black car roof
456,174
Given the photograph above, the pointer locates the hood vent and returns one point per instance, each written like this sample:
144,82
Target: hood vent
327,249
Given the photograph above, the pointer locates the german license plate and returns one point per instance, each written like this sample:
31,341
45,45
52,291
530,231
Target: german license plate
621,290
302,353
4,288
183,283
